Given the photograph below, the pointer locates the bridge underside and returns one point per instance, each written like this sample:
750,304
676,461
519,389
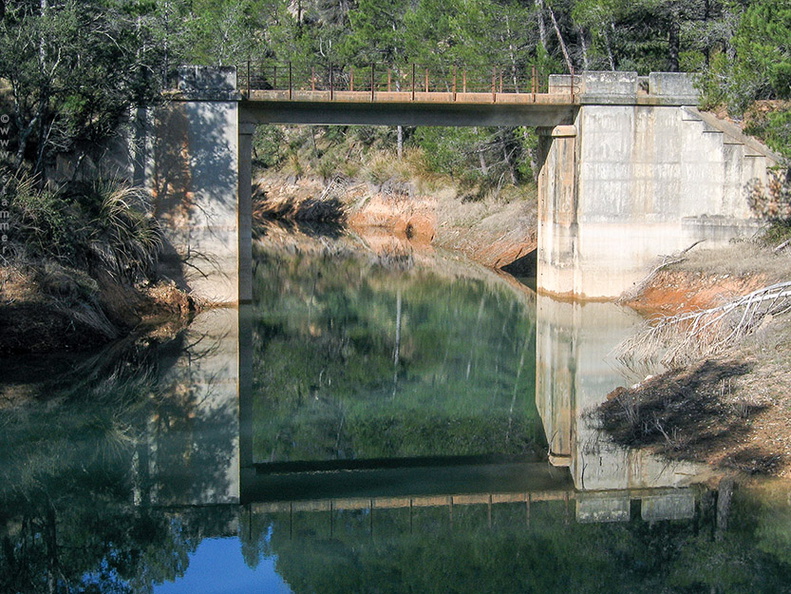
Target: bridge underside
405,114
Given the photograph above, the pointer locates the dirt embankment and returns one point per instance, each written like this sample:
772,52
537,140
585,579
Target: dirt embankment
53,308
492,232
732,408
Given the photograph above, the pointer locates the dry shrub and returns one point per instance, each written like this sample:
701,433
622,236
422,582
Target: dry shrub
772,202
690,336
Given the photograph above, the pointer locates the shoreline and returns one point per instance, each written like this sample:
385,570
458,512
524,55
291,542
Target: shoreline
47,308
729,409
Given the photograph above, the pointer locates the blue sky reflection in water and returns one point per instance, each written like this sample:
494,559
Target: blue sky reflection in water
217,567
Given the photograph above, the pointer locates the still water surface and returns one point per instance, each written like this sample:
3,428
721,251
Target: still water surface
378,421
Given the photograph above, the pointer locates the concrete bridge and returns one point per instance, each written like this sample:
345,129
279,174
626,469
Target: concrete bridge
629,169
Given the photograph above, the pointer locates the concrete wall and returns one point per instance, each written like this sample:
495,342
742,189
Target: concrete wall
186,152
648,180
193,456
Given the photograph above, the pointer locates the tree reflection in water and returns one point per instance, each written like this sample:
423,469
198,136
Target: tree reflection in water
114,468
82,460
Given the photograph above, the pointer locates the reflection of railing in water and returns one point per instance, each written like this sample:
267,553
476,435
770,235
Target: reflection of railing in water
603,506
292,81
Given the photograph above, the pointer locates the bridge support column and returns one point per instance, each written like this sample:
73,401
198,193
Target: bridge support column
557,210
244,212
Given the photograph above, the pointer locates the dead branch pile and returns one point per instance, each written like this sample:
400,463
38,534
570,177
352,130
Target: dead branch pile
680,339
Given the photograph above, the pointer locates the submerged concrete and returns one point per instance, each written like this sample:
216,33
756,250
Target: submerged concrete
573,376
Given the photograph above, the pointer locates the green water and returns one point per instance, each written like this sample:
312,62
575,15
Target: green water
357,360
395,446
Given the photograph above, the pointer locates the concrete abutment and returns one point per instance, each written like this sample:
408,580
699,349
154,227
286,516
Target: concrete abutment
640,174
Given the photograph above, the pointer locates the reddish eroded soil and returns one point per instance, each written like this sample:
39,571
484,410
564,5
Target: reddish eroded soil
733,409
495,234
675,291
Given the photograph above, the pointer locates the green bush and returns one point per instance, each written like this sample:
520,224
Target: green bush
774,128
100,226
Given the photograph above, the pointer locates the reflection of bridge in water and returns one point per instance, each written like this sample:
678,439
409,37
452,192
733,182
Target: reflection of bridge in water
601,506
602,481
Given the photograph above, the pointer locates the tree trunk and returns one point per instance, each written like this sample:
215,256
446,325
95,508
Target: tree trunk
397,349
542,29
584,47
509,162
674,45
610,57
563,48
482,159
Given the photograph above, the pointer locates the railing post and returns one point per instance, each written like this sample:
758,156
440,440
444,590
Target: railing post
454,83
290,83
572,86
427,80
373,82
332,83
389,80
351,78
534,83
501,80
413,82
312,78
248,79
464,81
494,82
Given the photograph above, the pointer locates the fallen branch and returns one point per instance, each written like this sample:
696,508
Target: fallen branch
666,261
782,246
691,335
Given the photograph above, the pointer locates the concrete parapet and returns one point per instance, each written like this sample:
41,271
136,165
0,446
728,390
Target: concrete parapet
603,507
609,83
677,85
559,83
208,83
674,505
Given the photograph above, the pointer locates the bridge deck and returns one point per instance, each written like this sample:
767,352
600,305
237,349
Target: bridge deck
407,108
403,97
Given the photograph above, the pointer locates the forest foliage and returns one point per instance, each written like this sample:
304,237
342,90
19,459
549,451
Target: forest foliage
356,360
71,68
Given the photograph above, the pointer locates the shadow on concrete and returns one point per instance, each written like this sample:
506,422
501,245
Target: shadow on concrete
194,177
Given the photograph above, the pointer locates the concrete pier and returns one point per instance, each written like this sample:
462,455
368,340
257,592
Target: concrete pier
640,174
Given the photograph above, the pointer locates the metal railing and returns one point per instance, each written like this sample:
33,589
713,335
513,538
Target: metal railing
411,79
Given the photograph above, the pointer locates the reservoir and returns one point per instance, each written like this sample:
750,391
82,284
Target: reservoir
380,419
